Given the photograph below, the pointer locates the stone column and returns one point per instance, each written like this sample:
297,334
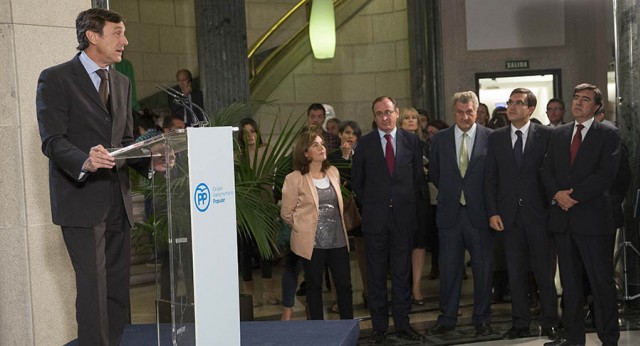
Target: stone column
628,116
425,56
37,286
222,52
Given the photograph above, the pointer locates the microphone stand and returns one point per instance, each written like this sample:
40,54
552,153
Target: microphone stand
180,99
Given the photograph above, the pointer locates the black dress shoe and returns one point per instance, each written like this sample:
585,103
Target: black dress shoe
377,337
553,333
417,301
409,334
588,320
483,329
514,333
438,329
562,342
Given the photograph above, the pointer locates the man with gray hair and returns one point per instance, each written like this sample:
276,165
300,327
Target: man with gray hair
457,168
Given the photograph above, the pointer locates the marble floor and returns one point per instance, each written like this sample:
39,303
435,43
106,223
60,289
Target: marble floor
422,317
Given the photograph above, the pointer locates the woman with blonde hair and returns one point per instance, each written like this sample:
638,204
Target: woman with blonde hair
409,121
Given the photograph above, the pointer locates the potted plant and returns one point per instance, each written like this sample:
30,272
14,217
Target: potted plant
257,218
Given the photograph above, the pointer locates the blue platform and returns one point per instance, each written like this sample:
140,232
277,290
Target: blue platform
308,333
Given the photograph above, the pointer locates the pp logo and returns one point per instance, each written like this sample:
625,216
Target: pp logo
202,197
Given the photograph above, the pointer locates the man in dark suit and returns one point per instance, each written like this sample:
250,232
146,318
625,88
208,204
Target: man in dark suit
578,173
516,206
387,178
555,112
84,107
617,194
457,168
193,98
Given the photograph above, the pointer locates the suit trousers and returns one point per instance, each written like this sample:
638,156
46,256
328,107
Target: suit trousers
290,272
528,244
595,254
389,252
101,258
338,262
249,251
453,242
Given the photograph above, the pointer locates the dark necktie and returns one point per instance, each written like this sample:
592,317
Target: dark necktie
575,143
103,89
388,154
517,150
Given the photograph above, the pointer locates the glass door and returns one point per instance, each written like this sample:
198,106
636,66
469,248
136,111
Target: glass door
493,89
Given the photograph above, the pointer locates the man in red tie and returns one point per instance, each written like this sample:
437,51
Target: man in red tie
388,179
577,181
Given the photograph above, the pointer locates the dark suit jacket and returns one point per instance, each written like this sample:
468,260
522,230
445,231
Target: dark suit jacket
72,119
591,176
375,189
621,187
506,186
445,175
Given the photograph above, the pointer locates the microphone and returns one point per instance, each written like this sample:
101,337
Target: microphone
184,101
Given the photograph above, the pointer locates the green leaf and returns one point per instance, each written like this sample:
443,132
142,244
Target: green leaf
257,213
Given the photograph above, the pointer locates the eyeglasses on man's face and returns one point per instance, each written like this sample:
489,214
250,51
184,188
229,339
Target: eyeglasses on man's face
387,113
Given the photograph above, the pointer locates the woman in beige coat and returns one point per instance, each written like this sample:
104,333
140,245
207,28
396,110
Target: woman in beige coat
312,205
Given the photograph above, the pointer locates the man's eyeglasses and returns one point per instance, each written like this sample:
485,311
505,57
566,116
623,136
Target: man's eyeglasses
518,103
387,113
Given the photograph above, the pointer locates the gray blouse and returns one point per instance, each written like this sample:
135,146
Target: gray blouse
329,234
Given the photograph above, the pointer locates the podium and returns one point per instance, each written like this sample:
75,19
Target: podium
195,232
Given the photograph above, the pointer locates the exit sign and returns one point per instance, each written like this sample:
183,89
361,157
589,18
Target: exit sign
516,64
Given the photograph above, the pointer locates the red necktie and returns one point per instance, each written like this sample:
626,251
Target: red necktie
575,143
388,154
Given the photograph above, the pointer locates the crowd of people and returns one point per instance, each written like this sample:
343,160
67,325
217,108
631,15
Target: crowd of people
551,193
513,193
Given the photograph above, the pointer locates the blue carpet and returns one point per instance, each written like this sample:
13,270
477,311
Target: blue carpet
308,333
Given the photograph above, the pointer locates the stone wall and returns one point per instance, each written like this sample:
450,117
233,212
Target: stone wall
162,40
584,57
37,286
371,59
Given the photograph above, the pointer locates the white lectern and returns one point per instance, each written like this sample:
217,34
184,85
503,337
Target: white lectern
195,229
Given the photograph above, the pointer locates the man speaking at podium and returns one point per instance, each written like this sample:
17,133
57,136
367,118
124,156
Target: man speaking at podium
83,107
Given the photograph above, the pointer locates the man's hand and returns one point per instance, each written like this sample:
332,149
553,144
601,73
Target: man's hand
186,90
159,159
495,222
346,150
99,157
563,197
